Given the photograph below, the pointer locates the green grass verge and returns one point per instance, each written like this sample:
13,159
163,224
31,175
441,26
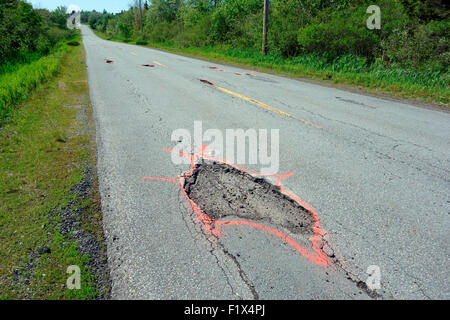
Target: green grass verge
425,86
44,150
16,86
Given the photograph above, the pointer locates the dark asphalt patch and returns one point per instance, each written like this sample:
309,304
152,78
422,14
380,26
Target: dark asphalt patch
109,61
207,82
148,65
220,190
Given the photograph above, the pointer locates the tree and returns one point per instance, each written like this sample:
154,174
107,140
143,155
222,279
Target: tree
20,27
427,10
59,16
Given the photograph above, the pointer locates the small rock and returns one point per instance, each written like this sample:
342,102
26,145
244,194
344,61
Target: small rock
44,250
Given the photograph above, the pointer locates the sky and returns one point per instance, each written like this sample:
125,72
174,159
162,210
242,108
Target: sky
86,5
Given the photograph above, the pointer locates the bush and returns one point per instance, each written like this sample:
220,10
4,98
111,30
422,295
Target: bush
343,32
420,45
195,35
286,18
20,27
247,32
226,18
339,37
163,31
24,30
73,43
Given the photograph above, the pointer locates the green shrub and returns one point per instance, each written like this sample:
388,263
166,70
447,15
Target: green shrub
229,15
141,42
73,43
420,45
25,30
20,27
196,35
286,17
163,31
342,32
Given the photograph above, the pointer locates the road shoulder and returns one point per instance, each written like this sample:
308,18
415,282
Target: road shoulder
50,206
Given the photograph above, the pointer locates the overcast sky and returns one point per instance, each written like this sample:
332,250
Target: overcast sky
87,5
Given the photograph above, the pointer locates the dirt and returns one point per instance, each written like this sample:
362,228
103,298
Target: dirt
220,191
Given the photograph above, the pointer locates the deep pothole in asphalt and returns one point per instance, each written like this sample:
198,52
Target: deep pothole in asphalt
220,190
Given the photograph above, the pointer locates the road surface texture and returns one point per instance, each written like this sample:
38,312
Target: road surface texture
375,171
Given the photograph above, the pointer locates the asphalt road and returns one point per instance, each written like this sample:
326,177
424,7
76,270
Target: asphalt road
375,171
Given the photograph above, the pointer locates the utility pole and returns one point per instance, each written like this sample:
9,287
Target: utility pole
265,25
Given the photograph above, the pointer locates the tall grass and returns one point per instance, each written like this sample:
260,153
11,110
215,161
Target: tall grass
17,84
348,66
426,85
23,59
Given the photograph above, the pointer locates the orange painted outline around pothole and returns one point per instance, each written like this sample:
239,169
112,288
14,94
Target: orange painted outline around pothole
213,227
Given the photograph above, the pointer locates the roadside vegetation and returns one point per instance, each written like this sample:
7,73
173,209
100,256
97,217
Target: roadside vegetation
50,214
31,49
322,39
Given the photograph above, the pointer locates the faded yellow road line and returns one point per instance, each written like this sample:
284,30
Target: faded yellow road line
265,106
160,64
134,53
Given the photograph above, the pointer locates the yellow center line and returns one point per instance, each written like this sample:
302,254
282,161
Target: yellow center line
160,64
134,53
263,105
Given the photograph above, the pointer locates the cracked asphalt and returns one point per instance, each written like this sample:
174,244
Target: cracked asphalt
376,171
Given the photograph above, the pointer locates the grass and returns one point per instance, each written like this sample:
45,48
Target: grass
44,151
21,80
426,85
24,59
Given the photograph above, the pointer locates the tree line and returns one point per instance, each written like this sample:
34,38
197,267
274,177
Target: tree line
26,32
414,33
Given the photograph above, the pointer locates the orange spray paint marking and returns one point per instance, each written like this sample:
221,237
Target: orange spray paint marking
212,227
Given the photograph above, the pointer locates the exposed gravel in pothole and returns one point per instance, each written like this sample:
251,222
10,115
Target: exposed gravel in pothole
220,191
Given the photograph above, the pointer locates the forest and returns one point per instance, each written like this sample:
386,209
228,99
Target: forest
414,34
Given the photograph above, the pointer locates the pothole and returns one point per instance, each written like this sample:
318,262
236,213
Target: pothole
221,191
207,82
